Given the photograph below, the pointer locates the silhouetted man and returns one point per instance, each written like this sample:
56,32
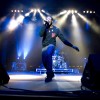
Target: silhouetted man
49,32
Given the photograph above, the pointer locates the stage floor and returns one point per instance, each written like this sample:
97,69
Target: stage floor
32,84
35,82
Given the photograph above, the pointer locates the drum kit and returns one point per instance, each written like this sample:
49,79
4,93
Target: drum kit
58,62
19,65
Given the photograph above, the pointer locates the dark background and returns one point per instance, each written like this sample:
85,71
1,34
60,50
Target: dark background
53,6
8,43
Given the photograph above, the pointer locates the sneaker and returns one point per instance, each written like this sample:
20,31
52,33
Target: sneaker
49,78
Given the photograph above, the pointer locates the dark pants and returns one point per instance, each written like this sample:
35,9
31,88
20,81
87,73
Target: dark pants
47,53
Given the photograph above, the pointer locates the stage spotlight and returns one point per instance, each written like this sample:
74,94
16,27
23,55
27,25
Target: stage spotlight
12,25
27,14
21,10
20,19
62,20
34,12
74,21
42,11
87,11
93,25
93,11
90,11
31,10
69,11
75,11
38,10
83,11
12,11
18,10
63,12
41,14
72,11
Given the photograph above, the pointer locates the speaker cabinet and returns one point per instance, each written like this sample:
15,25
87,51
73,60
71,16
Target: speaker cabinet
91,74
4,77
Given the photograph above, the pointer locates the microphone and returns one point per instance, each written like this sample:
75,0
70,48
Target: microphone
45,21
46,24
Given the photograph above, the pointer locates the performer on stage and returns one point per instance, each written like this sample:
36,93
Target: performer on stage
49,32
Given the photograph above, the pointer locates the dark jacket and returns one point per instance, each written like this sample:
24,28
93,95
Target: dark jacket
49,36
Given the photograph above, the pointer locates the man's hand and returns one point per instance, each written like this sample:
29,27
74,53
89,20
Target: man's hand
47,24
76,48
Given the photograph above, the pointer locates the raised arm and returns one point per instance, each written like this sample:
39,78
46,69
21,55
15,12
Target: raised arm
44,27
